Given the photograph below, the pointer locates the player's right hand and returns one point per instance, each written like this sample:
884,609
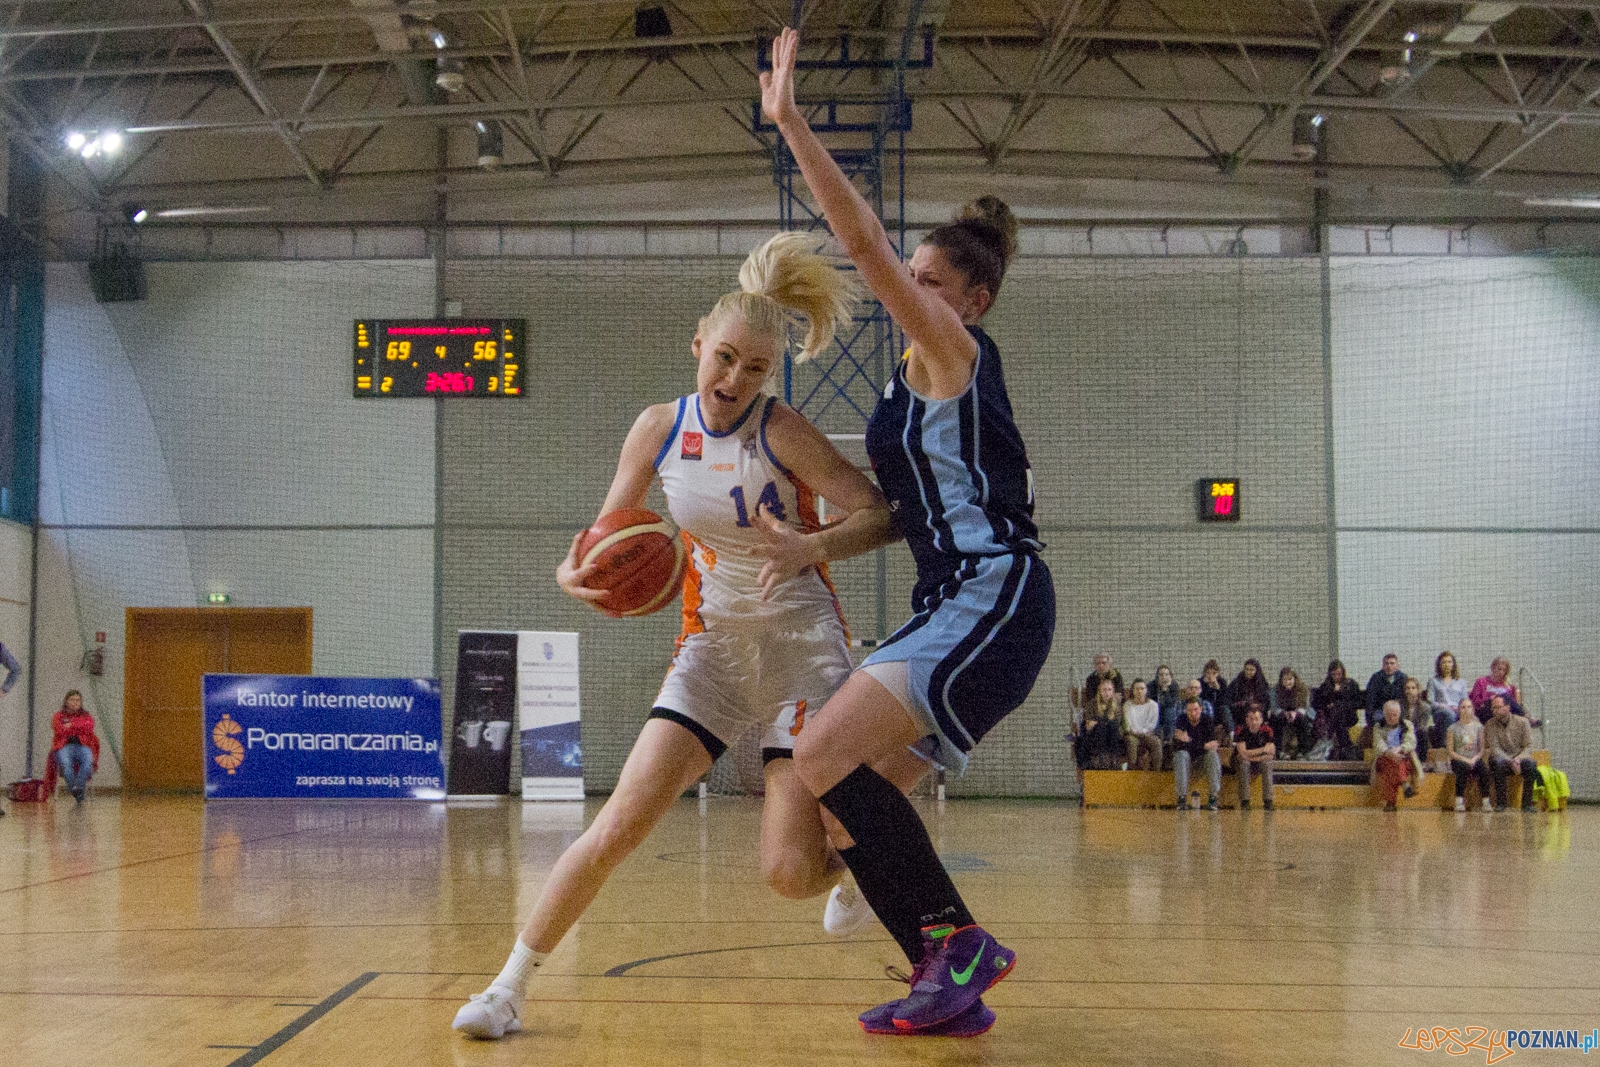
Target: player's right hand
570,576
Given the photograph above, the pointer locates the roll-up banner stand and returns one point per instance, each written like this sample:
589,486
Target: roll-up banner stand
547,696
485,712
296,736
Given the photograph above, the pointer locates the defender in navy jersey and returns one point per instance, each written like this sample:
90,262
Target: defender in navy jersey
953,466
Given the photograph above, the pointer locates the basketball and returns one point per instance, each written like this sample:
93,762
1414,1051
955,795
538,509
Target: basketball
639,561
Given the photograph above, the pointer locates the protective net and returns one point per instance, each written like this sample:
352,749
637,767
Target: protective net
206,436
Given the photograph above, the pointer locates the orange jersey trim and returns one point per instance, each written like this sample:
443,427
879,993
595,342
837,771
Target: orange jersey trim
692,597
806,501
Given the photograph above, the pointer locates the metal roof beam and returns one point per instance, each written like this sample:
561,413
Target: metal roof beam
257,96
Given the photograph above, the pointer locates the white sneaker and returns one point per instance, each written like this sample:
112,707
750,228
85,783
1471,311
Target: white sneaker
490,1015
1461,803
848,911
1488,805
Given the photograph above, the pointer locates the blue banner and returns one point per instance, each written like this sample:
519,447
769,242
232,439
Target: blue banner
290,736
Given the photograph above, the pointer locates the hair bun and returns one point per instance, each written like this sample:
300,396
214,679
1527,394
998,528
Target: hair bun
993,211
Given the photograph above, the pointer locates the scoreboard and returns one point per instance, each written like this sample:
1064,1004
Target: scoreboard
439,357
1217,499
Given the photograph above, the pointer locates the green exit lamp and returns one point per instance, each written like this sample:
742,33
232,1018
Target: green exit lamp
218,598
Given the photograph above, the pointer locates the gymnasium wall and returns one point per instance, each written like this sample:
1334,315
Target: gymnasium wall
1131,378
15,561
169,471
1467,445
205,440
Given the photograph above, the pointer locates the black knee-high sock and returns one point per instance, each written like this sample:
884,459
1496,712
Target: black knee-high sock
893,860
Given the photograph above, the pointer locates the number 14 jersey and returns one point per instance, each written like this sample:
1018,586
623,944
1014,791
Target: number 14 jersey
716,486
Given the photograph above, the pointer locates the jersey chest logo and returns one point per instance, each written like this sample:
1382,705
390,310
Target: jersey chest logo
693,444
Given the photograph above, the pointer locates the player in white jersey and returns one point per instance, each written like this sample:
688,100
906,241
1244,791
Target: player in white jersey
763,638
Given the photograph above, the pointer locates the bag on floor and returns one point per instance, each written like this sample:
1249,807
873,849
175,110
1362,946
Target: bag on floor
1552,786
27,791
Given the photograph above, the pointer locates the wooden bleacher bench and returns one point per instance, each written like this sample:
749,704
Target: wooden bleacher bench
1154,789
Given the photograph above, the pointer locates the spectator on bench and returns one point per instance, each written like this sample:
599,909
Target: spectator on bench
1103,670
1249,686
1419,713
1337,702
1213,690
1292,726
1100,745
1464,742
1386,684
1445,692
1142,717
1497,683
1195,739
1508,742
1394,745
1253,748
1169,697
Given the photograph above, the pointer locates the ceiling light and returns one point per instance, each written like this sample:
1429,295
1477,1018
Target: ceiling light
134,213
76,141
450,75
111,142
1307,135
1589,203
491,143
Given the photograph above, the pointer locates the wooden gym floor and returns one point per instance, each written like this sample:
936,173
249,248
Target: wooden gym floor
159,930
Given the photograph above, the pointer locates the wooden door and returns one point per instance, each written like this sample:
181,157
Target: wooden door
168,649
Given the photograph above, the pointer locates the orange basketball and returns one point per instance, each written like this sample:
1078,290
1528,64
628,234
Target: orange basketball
638,558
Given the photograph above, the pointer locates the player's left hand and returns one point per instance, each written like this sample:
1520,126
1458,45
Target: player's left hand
777,84
786,550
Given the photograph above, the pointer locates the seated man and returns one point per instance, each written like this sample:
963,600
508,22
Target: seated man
1394,746
1195,738
1253,749
1103,672
1508,742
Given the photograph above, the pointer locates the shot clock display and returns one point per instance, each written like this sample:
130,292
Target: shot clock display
439,357
1217,499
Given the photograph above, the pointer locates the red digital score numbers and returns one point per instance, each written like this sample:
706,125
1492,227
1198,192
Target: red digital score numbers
438,357
1217,499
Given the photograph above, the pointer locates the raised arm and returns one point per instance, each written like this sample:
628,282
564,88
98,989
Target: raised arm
938,337
636,469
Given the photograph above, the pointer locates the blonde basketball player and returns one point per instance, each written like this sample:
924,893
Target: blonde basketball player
763,639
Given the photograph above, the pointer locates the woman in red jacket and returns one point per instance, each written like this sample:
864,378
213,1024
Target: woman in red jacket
76,749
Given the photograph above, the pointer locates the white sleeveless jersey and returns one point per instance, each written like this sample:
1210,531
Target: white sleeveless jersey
716,485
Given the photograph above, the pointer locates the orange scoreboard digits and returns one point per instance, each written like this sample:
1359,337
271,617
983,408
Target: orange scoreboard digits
439,357
1217,499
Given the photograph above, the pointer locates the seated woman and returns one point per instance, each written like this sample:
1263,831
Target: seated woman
1142,716
1394,748
1419,713
1337,702
1291,720
1099,745
75,752
1248,687
1445,692
1169,697
1497,683
1464,742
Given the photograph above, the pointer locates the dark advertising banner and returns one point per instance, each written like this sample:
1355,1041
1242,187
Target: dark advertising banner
292,736
486,705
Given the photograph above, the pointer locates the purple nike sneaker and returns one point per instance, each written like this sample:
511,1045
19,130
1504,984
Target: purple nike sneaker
957,968
974,1021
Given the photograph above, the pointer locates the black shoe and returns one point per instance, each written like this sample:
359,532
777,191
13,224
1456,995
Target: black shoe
1499,807
1211,805
1530,807
1244,805
1410,791
1266,805
1183,805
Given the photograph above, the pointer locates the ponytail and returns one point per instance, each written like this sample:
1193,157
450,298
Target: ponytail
784,280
